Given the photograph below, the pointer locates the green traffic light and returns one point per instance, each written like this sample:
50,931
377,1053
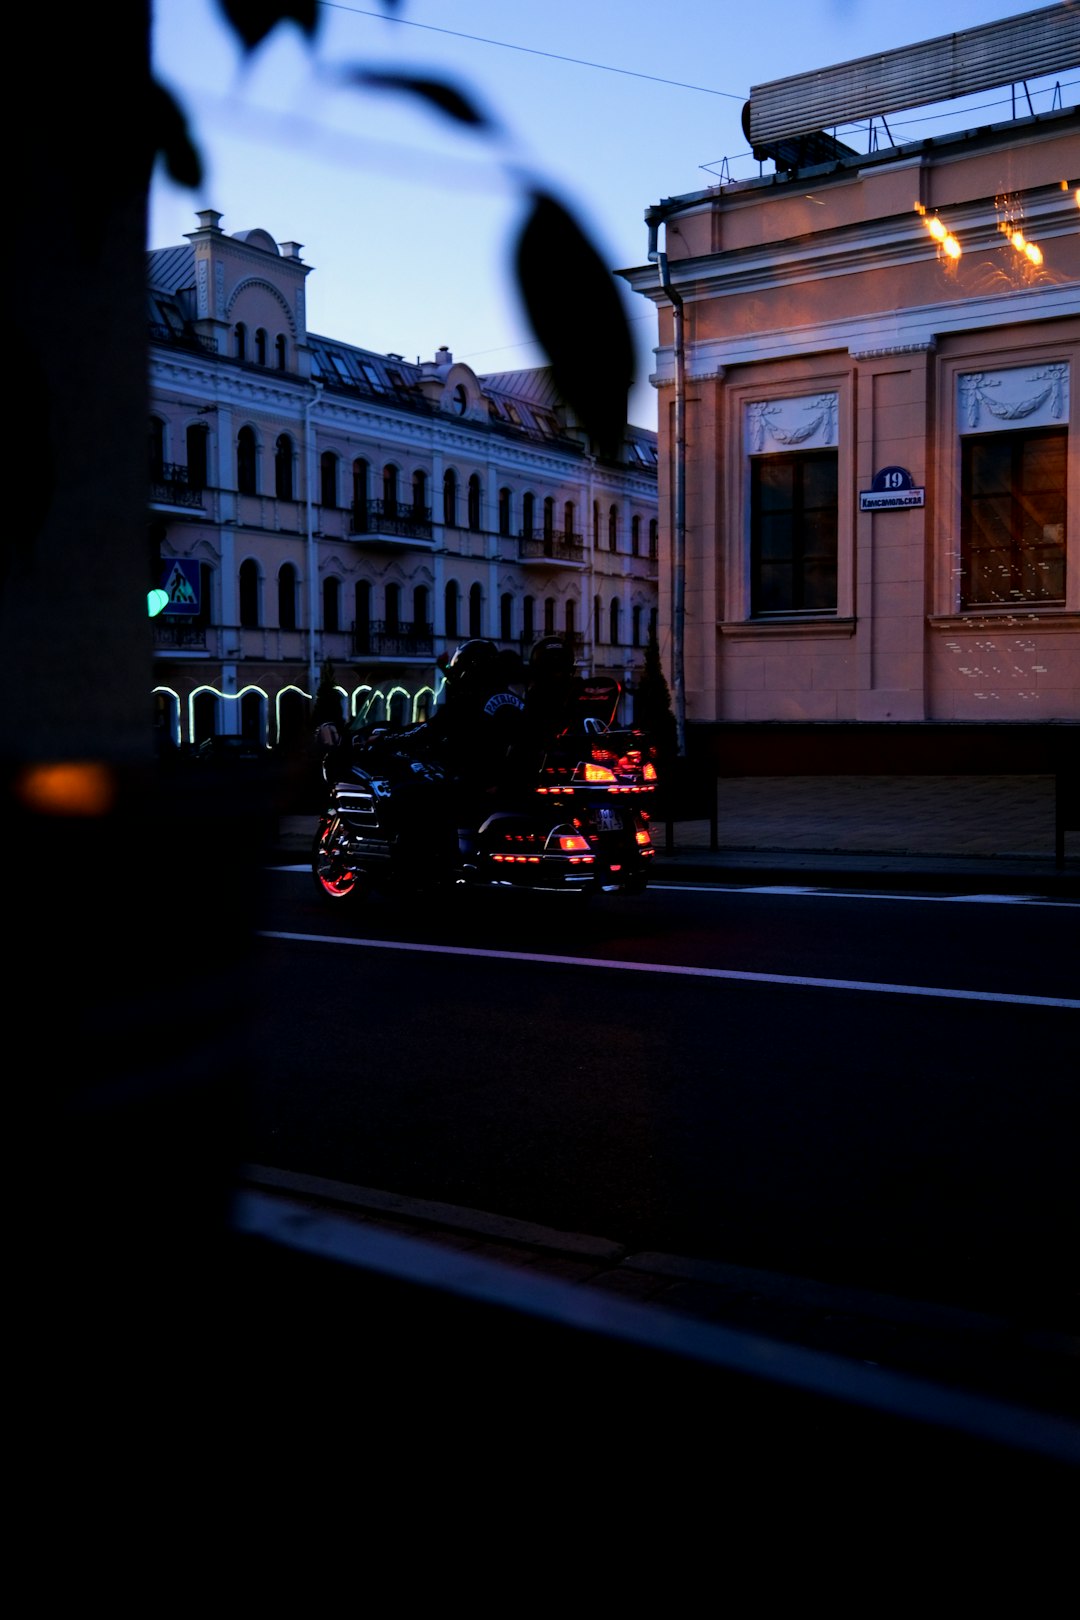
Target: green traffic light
156,602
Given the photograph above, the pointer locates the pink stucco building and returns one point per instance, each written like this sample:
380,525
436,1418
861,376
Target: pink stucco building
869,462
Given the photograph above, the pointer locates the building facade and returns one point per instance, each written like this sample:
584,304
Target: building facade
314,503
876,494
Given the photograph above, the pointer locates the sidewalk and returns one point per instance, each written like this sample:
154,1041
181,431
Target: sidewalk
897,832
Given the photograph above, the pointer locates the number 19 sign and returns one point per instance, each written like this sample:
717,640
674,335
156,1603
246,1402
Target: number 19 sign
893,488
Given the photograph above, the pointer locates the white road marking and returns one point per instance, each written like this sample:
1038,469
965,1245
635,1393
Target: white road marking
792,980
866,894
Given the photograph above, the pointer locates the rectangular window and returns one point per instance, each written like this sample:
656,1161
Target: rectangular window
793,530
1012,527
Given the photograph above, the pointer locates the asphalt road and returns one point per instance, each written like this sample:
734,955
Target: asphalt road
874,1091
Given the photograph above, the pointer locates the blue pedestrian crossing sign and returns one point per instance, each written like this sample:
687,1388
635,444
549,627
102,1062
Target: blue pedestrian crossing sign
180,581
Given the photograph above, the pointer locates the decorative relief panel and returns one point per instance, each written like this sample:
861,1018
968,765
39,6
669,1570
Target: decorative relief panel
994,401
202,288
803,423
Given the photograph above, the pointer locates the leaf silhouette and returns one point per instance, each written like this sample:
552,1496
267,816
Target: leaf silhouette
438,93
169,135
254,19
574,308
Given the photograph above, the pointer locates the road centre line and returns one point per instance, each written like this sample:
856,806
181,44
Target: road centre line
792,980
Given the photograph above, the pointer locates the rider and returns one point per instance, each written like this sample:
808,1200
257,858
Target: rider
551,694
446,772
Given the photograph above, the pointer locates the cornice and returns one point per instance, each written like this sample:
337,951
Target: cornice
896,331
884,244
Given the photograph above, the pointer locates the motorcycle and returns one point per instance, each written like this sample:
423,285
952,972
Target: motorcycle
583,827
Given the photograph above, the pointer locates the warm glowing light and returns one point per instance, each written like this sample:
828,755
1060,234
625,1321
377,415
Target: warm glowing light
597,773
649,773
951,247
72,788
642,836
1034,253
572,841
1018,241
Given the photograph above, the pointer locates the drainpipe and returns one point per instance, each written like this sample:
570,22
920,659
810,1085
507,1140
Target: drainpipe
312,557
678,539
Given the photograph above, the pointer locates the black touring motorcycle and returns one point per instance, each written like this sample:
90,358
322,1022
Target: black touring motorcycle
583,827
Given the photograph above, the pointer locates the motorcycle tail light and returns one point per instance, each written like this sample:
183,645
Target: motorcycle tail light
572,843
649,773
592,772
643,836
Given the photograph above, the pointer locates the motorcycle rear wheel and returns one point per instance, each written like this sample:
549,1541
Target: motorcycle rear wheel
327,864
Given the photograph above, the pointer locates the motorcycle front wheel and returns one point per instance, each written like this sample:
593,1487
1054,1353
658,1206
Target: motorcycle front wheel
328,866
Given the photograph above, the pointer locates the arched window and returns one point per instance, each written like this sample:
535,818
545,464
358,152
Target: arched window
596,525
528,619
253,717
393,608
635,626
613,618
635,536
360,472
549,616
249,594
549,518
596,618
571,616
328,465
653,536
476,611
506,616
283,468
451,598
247,462
568,520
474,503
204,718
419,493
528,514
156,448
390,489
280,351
652,623
613,528
240,341
198,455
286,596
420,619
205,616
260,347
362,617
506,512
449,498
331,604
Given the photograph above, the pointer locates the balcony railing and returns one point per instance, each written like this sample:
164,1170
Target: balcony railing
170,485
160,333
179,634
561,548
380,639
379,518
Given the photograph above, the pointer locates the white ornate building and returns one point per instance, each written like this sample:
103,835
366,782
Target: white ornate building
313,502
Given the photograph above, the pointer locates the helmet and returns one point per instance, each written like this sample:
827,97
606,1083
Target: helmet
551,656
473,663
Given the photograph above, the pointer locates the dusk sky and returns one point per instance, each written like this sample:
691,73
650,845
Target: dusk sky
409,220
